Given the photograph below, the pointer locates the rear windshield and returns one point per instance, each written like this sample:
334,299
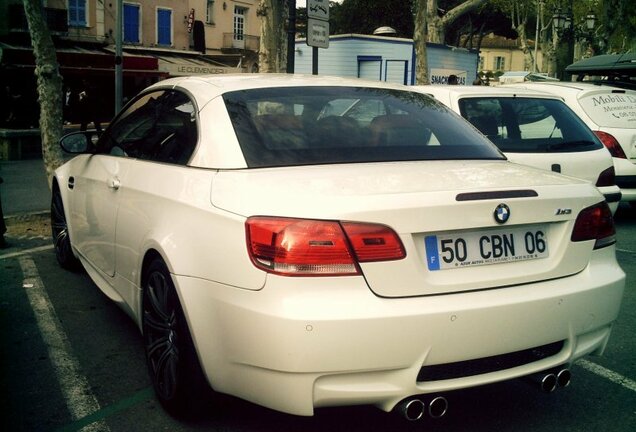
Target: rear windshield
615,109
321,125
529,125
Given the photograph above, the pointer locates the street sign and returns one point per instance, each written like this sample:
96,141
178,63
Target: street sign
317,33
318,9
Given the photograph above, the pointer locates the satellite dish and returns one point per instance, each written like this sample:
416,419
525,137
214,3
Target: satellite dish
385,31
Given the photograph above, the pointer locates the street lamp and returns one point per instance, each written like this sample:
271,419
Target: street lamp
563,23
590,21
573,33
558,19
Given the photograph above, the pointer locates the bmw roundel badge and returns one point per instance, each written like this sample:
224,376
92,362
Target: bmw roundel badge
502,213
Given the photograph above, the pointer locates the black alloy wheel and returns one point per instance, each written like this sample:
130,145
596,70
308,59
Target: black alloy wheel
59,231
172,361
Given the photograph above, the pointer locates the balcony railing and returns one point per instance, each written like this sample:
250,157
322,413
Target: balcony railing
56,19
242,42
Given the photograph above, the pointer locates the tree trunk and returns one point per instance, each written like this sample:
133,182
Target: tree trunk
49,83
419,43
519,23
437,25
272,54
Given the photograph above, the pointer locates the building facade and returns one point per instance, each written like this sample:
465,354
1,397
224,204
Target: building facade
383,58
498,55
227,30
161,39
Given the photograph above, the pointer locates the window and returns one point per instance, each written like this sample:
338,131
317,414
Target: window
499,63
132,15
209,12
528,125
77,13
159,126
164,26
239,26
322,125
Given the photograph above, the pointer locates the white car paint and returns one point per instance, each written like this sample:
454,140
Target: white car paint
297,343
580,97
581,164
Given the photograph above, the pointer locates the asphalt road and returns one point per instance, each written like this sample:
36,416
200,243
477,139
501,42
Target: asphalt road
71,359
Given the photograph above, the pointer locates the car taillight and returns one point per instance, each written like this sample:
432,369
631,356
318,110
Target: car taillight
595,223
607,178
304,247
612,145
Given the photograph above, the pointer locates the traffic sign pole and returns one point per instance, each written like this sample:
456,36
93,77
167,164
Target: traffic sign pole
317,29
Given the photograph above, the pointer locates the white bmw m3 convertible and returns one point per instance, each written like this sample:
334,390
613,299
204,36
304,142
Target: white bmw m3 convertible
304,242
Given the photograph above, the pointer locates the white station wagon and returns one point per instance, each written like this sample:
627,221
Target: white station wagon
534,128
304,242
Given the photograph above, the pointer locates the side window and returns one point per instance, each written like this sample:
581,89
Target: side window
159,126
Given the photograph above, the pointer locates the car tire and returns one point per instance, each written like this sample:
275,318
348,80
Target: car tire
59,232
172,360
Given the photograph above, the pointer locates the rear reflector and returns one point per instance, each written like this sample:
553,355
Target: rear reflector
595,223
304,247
607,178
612,145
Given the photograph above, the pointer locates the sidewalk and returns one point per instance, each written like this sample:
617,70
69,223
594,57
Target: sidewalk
25,188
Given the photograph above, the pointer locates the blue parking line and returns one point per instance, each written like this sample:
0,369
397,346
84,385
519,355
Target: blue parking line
124,404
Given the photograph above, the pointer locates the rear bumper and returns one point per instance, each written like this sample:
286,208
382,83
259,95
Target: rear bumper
302,343
613,196
626,178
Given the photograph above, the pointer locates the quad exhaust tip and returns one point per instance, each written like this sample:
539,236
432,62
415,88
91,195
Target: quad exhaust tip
413,409
549,381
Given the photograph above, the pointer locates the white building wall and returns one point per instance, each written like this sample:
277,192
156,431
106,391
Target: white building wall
385,59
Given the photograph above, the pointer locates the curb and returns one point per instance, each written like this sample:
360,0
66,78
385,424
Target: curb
27,217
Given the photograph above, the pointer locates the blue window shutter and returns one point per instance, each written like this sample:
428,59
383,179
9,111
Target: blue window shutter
131,23
164,23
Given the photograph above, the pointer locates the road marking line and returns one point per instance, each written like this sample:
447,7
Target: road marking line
137,398
625,251
26,252
608,374
79,399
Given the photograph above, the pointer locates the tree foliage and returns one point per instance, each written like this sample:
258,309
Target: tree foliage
364,16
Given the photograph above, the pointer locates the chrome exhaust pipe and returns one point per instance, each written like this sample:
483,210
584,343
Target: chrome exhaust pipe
564,376
547,381
438,407
412,409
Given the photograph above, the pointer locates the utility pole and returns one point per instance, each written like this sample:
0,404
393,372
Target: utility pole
119,60
291,36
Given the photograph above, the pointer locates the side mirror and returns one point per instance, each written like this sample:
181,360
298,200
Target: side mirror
79,142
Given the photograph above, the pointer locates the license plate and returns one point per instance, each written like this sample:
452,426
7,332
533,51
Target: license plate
476,248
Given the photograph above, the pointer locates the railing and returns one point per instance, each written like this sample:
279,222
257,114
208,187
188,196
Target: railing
243,42
56,19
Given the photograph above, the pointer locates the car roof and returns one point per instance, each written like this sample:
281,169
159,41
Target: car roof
491,91
205,88
569,86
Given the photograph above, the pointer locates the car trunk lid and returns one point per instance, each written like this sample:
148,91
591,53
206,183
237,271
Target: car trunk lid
442,202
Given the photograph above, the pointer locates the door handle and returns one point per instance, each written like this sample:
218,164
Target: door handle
114,183
71,182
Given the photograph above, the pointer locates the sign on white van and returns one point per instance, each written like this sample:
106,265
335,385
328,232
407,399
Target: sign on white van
611,109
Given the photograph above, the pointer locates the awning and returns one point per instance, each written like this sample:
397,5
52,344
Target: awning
81,59
176,62
177,65
605,64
